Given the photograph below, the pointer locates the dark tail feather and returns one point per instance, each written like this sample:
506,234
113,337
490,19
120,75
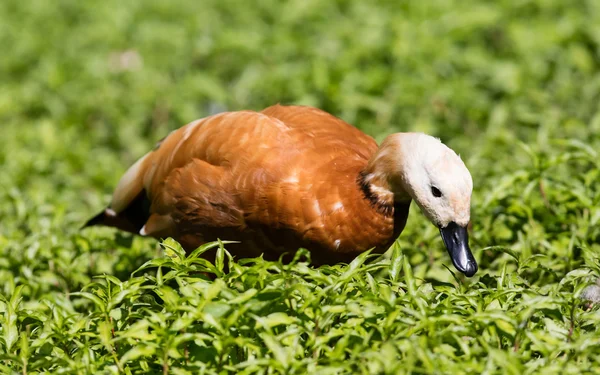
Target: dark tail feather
120,221
96,220
131,219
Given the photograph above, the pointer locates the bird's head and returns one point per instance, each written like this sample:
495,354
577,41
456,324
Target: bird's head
420,167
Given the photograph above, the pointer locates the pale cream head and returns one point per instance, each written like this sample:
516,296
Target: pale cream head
429,172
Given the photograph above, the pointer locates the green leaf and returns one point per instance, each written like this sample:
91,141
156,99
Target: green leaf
274,319
173,250
207,246
276,350
355,264
504,250
92,297
9,325
244,297
137,352
396,262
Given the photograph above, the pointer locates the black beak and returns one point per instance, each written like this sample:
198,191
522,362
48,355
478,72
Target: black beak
456,240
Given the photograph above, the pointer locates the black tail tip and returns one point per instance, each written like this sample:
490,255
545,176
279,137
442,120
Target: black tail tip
96,220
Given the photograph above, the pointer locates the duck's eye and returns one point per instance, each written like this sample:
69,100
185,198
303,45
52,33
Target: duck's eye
436,192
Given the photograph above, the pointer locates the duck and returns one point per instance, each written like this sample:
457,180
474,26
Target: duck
291,177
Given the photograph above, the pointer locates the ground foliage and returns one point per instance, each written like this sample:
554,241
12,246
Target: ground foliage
88,87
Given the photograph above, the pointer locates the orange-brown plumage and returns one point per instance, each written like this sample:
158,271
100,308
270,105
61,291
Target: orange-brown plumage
276,180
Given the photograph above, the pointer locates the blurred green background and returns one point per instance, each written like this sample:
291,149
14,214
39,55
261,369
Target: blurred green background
88,87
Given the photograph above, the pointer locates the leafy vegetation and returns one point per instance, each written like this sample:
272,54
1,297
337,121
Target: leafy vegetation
88,87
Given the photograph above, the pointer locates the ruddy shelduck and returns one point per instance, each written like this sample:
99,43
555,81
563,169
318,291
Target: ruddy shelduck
290,177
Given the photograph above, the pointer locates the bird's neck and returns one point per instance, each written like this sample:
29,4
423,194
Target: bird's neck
382,179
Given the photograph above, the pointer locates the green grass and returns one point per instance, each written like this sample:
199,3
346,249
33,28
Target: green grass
513,86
